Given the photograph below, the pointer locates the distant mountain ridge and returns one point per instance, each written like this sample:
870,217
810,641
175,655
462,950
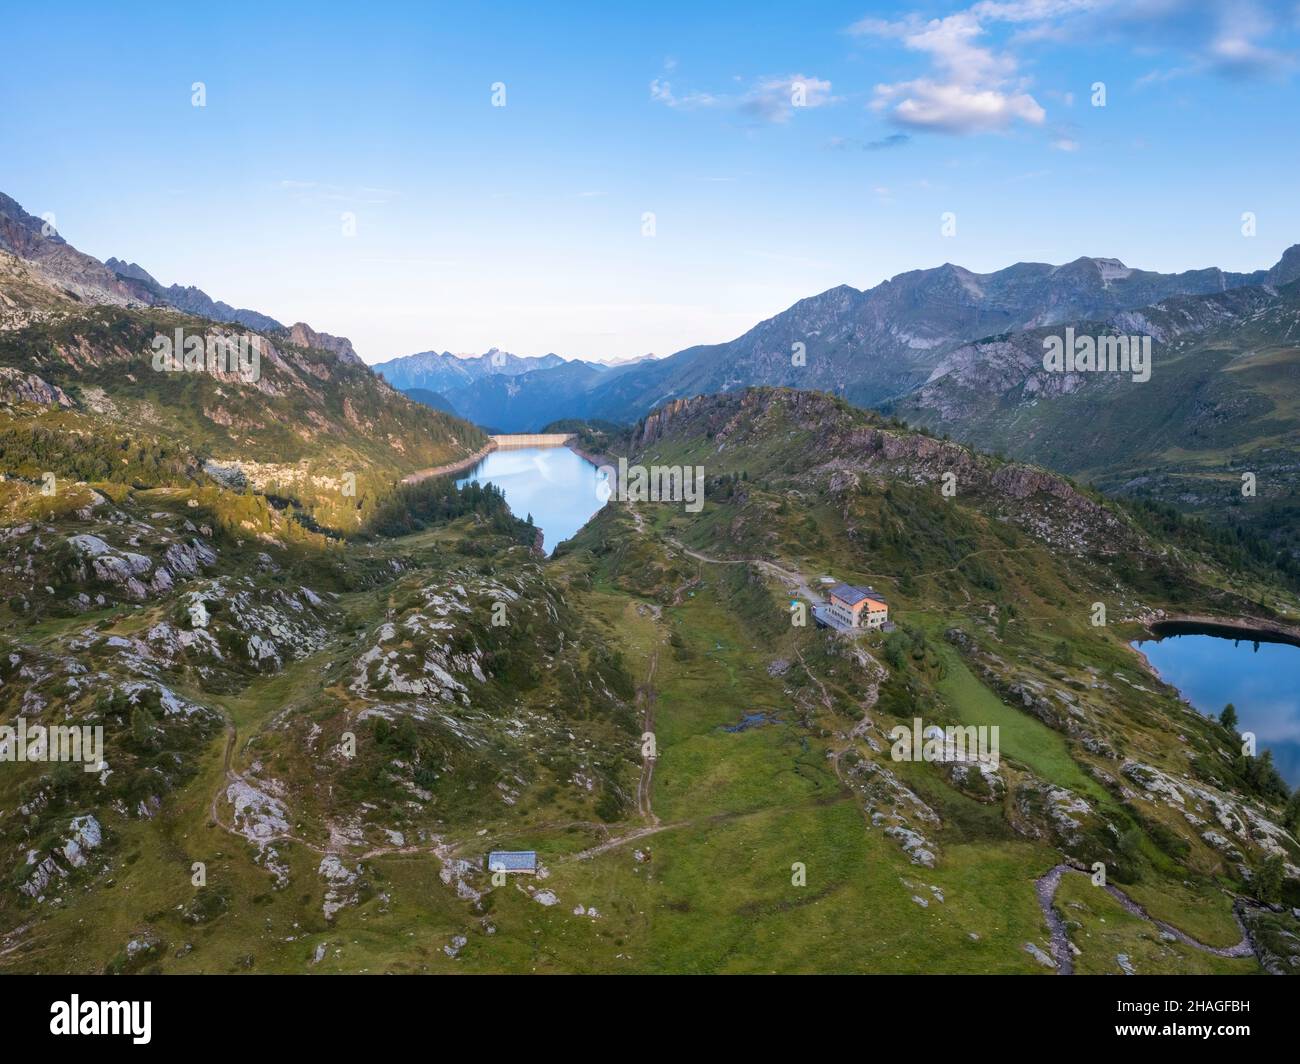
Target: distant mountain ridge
870,346
443,371
121,283
191,299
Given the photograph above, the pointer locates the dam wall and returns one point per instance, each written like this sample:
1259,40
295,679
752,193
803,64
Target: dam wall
532,439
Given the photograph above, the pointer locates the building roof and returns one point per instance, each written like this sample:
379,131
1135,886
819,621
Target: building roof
848,593
512,861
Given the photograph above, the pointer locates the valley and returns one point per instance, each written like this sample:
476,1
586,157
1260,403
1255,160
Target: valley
962,354
529,735
334,670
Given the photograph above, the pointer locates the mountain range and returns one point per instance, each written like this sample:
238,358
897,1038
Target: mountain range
961,353
872,347
497,390
956,351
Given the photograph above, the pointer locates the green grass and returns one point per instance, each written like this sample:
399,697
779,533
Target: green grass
1106,930
1021,737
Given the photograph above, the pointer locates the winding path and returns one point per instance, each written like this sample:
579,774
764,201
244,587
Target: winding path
1045,886
646,696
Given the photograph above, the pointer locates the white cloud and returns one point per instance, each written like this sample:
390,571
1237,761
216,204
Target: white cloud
774,98
953,108
662,92
1233,53
1034,10
975,89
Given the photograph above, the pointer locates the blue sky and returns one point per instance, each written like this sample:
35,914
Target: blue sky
522,226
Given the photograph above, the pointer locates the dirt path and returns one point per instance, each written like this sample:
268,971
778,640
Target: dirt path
646,696
1045,886
712,818
226,775
793,580
619,840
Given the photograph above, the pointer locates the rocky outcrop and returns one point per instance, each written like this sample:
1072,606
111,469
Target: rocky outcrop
304,335
84,835
137,575
19,387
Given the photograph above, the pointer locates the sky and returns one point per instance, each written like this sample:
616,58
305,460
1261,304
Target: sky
659,175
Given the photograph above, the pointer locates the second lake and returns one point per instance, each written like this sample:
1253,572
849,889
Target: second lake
1261,680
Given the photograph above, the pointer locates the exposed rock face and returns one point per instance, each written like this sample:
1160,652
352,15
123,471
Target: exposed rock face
850,443
19,387
304,335
135,574
133,270
340,881
656,423
126,283
37,240
1039,955
1219,818
258,816
195,301
84,835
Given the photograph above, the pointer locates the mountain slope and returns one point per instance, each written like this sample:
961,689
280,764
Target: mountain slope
993,589
79,367
65,269
190,299
523,402
430,399
1220,402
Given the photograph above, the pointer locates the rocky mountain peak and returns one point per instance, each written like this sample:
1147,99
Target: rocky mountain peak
304,335
133,270
21,233
1287,268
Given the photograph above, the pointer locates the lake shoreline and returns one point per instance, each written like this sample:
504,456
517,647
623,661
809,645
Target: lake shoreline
598,460
1247,629
452,467
551,481
1250,663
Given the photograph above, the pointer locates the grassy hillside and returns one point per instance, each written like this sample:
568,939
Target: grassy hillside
346,727
1221,401
80,398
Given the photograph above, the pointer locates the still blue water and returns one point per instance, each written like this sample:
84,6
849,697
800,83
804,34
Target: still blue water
555,485
1261,680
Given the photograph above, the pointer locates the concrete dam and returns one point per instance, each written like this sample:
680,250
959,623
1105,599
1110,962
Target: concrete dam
532,439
